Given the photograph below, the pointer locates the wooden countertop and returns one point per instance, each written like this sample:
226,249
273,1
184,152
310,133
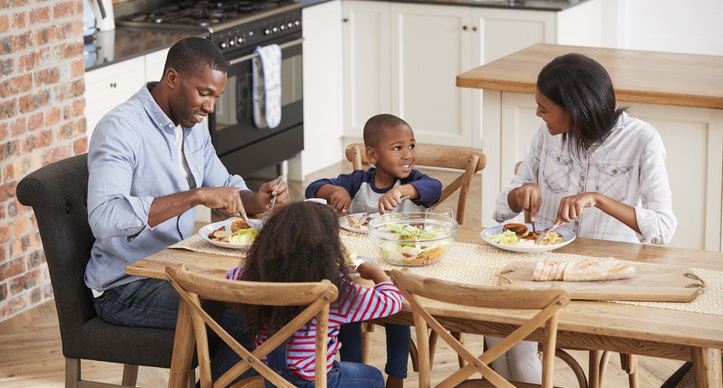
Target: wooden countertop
638,76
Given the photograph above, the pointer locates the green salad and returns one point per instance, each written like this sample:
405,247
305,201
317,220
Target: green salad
243,236
409,250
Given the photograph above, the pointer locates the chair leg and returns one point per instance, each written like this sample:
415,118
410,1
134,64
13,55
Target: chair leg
414,355
72,372
629,363
594,368
574,365
130,375
459,337
368,328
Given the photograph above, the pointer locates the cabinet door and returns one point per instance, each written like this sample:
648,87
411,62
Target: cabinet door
430,45
109,86
503,31
323,107
154,65
366,63
693,139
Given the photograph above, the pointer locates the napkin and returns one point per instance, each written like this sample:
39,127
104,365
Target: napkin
266,68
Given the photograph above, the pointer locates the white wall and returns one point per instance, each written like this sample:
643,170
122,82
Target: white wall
691,26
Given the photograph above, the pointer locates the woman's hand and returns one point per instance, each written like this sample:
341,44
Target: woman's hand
526,197
573,206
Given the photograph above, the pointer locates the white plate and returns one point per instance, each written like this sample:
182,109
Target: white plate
206,230
363,229
567,236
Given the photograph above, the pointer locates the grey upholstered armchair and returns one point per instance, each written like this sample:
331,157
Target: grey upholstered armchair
58,193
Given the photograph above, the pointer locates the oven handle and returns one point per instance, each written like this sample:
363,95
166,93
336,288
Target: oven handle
288,44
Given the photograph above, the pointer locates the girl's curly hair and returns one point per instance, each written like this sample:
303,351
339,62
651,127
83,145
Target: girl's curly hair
298,243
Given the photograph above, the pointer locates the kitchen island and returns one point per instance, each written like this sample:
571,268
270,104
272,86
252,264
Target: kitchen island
681,95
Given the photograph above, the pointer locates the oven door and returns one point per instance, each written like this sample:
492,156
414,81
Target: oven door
242,147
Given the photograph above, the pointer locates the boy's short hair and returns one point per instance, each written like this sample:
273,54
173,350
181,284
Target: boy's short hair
375,127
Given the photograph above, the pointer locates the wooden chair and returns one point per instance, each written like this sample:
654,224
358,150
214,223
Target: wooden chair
598,358
418,291
461,159
194,288
468,161
58,194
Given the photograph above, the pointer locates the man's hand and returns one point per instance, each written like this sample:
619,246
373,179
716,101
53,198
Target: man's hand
277,187
226,199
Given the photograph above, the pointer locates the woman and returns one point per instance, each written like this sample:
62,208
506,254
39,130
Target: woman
591,166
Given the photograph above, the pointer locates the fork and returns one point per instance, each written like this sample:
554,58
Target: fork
280,179
542,235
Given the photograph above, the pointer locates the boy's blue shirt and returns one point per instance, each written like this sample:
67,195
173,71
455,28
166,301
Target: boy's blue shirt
365,195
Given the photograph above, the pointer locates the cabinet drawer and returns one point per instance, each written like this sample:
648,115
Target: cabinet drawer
109,86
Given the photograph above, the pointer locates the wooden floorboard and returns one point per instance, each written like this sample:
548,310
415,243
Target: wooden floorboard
31,354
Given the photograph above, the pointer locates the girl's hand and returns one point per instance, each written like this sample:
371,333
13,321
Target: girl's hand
526,197
369,270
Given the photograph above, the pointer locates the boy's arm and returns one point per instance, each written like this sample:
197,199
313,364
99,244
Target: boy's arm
429,189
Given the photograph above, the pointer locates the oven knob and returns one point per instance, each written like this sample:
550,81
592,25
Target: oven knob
239,39
290,24
296,23
282,27
223,45
267,31
231,42
275,30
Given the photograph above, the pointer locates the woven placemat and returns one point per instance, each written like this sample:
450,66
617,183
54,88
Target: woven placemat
478,264
196,243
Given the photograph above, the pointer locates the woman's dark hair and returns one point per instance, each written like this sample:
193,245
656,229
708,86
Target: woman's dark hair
583,87
192,55
298,243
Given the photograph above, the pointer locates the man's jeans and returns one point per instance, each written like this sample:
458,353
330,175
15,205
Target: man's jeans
154,303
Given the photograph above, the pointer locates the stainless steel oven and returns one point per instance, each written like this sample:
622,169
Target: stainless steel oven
237,27
242,147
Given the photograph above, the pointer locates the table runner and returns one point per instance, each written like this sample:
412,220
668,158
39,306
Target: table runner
479,264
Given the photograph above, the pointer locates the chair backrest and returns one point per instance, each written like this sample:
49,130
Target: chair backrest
315,297
528,217
58,192
467,160
458,296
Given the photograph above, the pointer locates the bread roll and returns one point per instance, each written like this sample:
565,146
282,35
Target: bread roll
238,225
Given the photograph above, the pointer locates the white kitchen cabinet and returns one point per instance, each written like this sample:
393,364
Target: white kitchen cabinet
323,99
366,63
414,75
430,45
109,86
154,64
693,139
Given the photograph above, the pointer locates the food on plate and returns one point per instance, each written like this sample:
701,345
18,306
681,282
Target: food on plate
520,230
410,249
353,221
589,269
516,235
239,224
241,233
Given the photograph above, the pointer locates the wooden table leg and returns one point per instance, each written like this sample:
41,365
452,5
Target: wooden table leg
594,368
182,348
707,367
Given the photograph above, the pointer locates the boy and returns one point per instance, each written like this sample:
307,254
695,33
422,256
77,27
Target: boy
389,146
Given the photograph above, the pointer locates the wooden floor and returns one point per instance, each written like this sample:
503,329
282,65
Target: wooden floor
31,355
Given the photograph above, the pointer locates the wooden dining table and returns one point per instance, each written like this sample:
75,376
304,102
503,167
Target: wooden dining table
583,324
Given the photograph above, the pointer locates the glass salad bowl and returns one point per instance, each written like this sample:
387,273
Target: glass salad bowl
412,239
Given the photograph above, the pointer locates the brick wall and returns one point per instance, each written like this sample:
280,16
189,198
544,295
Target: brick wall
41,121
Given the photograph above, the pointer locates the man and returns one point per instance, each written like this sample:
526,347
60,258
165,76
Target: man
151,162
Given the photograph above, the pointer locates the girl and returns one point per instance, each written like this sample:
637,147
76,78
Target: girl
300,243
591,166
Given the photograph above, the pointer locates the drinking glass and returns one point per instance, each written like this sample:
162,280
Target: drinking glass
441,210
